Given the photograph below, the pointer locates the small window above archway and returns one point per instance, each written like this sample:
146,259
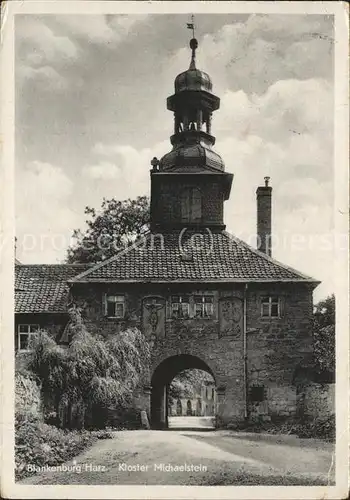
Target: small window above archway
191,205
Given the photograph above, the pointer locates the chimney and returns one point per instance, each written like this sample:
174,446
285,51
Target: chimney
263,201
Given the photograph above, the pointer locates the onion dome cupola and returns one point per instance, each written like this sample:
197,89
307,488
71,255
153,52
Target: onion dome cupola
189,184
193,104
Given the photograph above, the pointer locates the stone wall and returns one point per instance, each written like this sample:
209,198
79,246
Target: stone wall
167,206
274,346
317,401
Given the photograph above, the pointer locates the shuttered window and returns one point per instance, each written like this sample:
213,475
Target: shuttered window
191,205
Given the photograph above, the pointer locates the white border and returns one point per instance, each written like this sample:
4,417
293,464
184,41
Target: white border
12,490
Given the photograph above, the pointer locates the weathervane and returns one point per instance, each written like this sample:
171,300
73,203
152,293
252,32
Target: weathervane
193,43
191,26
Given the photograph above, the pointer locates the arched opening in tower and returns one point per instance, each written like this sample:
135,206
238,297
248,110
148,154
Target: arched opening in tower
183,394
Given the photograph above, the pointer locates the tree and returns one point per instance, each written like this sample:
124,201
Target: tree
324,339
114,227
92,372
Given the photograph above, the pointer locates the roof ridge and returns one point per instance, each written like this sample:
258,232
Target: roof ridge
267,257
111,259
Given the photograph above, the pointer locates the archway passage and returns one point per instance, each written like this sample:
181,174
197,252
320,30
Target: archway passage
162,378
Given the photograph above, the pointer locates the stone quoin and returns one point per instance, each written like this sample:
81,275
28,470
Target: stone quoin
202,297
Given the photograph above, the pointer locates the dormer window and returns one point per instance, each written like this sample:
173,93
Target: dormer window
191,205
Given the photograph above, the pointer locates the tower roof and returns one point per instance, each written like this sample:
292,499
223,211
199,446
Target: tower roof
192,155
193,78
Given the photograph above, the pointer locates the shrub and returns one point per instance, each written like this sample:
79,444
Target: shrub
321,429
91,373
40,444
28,406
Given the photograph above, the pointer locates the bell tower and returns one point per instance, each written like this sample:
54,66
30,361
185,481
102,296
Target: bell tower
189,184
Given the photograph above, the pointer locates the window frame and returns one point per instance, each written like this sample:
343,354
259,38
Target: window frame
203,301
181,301
191,202
260,389
270,301
28,333
115,316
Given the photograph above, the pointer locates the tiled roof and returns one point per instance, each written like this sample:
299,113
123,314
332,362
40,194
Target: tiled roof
206,257
43,288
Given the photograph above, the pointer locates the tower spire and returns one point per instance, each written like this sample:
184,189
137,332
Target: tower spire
193,43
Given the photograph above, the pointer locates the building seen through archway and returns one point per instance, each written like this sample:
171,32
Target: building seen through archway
182,385
192,393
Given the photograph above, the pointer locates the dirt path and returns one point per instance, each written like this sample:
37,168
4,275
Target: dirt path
196,458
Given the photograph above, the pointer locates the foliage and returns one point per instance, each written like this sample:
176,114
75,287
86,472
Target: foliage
39,444
187,383
324,338
303,428
324,312
27,398
36,443
93,372
116,226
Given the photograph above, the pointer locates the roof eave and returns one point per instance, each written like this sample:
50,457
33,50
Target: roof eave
42,312
215,280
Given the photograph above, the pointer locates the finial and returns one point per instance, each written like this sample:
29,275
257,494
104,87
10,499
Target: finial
266,179
155,163
193,43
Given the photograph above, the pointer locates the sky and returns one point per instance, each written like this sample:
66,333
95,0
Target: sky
90,101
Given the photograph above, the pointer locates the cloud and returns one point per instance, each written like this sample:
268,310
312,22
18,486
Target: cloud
127,166
103,171
279,133
45,77
269,48
44,220
99,29
39,45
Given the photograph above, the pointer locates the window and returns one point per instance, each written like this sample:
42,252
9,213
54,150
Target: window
191,205
257,393
270,307
115,306
25,333
180,307
204,306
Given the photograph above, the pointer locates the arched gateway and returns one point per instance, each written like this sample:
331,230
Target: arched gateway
164,373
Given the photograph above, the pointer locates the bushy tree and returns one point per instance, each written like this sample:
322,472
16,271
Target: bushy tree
92,372
324,338
115,226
